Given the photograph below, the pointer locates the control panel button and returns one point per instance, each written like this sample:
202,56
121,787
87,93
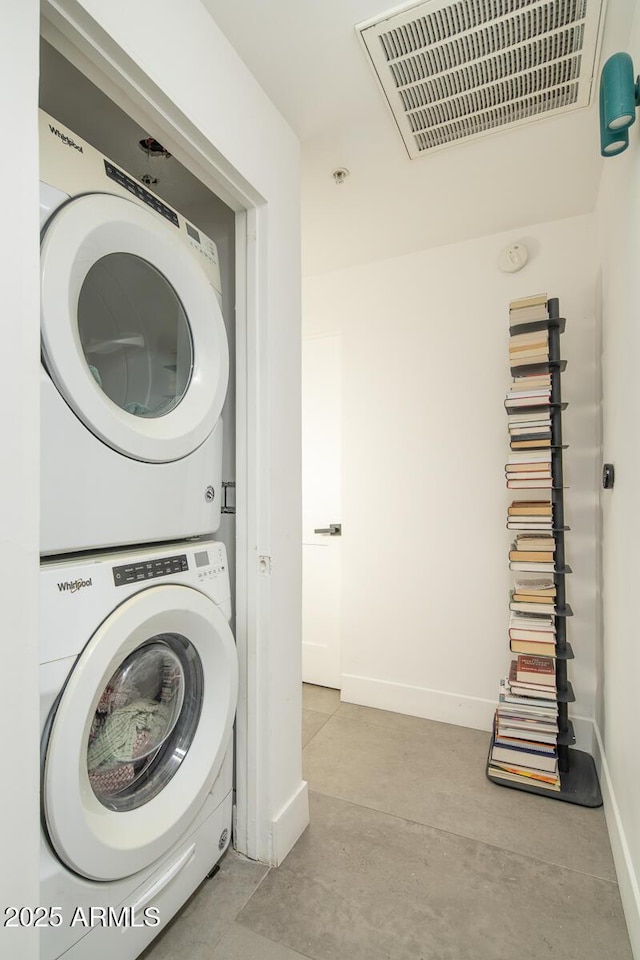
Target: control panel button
149,570
121,178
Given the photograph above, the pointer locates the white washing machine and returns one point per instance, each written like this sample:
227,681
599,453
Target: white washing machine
138,682
135,360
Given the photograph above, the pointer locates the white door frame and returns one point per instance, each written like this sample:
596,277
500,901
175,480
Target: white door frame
66,26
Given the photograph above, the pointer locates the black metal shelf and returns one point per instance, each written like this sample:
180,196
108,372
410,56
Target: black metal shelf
524,448
552,323
564,651
551,447
565,693
527,369
541,529
566,738
578,784
537,407
564,611
578,777
544,487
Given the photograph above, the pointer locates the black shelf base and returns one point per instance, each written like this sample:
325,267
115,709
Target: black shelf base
579,785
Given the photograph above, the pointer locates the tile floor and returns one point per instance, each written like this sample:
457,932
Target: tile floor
411,855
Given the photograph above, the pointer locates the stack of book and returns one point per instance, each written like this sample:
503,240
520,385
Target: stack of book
530,515
532,633
529,418
530,431
529,390
531,561
532,627
536,551
525,743
540,590
528,348
527,310
528,469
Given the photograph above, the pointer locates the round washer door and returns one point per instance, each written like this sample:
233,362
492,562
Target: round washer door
132,333
140,732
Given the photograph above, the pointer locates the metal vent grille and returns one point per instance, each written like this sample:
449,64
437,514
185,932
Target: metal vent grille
456,71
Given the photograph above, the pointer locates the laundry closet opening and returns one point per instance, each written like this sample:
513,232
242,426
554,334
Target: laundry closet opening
140,670
79,105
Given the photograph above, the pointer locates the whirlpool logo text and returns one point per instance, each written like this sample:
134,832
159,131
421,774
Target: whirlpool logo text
69,141
72,586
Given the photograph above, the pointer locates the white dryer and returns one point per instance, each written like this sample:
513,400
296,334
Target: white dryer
135,358
139,678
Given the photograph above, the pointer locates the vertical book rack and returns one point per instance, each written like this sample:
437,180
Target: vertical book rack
573,778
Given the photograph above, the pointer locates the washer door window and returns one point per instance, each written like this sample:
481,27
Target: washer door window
144,723
140,732
132,333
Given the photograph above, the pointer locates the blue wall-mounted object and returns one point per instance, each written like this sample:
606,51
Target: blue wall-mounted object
619,97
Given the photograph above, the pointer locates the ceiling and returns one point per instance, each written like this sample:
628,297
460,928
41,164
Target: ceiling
307,57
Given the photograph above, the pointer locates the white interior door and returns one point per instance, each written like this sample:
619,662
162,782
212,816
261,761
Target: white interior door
321,510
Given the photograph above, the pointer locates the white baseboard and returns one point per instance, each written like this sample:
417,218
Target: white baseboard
625,871
440,705
289,824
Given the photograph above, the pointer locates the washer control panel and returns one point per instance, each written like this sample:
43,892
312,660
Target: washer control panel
150,569
210,563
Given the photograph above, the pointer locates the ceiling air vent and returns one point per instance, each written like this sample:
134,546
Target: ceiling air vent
457,71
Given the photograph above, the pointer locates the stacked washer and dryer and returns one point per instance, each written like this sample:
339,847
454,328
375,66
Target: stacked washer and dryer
139,669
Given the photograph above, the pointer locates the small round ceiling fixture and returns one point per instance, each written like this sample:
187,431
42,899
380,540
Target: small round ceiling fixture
340,174
513,258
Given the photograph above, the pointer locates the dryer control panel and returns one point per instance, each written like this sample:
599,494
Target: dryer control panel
120,177
150,569
71,165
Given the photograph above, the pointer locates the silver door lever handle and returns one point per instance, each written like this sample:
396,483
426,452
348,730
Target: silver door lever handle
333,530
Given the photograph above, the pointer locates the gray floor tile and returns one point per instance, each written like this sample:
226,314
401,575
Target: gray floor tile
434,773
363,885
240,943
312,721
321,699
209,913
386,718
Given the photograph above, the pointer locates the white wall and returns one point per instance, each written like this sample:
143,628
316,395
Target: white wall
425,370
19,809
618,222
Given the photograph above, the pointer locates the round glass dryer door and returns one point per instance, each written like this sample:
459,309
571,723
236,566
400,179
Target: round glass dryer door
132,333
135,335
140,732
